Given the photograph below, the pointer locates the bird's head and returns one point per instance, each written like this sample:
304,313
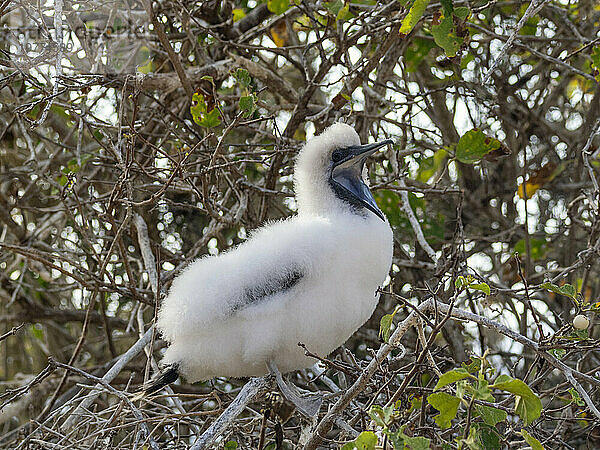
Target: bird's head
329,173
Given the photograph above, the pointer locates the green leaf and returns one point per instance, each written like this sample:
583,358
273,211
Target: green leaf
415,403
396,438
482,391
389,202
473,442
448,6
473,365
530,27
447,405
452,376
445,34
538,248
483,287
462,13
385,325
576,398
416,52
567,290
413,16
428,167
382,416
533,442
528,405
200,113
37,331
596,62
482,437
334,7
488,436
416,443
243,77
343,12
198,105
401,441
278,6
365,441
491,415
432,225
247,104
145,68
231,445
210,119
238,13
73,166
558,353
580,335
474,145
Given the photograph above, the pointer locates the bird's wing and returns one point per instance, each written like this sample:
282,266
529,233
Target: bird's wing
276,259
273,282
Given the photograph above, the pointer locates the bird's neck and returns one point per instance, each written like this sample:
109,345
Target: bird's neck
326,201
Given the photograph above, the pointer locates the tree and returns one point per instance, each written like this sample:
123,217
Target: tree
135,137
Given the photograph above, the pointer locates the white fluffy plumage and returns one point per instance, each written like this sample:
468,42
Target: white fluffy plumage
311,278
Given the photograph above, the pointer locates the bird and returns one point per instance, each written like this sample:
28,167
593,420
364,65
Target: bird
310,278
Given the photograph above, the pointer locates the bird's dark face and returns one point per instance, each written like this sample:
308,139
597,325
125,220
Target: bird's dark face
346,179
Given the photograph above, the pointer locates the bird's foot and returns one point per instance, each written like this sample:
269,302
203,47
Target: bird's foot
308,404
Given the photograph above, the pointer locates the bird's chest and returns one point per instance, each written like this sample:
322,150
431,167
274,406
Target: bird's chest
362,257
356,264
344,294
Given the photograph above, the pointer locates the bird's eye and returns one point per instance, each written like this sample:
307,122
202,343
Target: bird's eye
339,154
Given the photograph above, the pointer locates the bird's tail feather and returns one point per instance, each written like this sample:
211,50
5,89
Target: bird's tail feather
163,378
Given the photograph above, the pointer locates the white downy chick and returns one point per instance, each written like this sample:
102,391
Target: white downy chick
311,278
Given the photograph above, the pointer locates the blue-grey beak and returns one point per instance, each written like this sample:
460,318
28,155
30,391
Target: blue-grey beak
346,176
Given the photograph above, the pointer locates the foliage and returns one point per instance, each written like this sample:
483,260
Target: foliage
365,441
202,115
470,283
413,16
385,325
476,390
447,34
485,418
474,145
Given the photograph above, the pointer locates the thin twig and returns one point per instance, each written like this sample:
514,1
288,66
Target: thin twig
532,9
58,30
415,223
585,153
342,403
173,57
12,332
146,250
254,388
124,359
121,395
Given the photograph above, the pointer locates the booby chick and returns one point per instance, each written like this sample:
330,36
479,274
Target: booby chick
311,278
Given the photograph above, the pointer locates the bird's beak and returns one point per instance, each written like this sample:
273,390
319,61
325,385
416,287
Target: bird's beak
347,176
